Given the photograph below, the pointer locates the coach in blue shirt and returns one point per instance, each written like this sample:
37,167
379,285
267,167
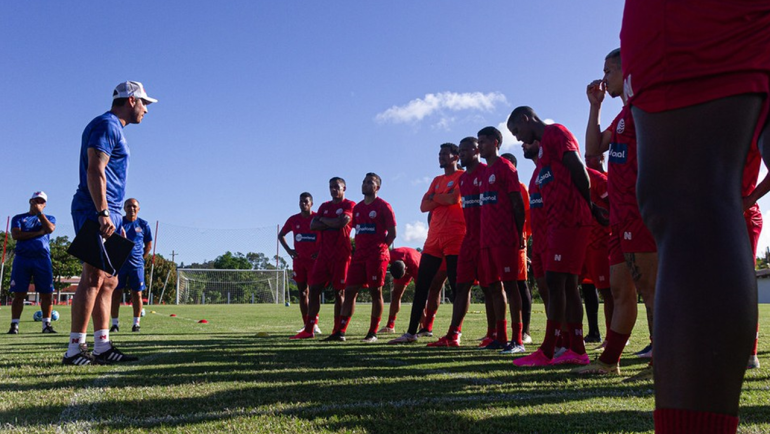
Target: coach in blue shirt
32,231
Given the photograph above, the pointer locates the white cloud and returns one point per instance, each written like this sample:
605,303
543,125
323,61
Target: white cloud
420,108
424,180
509,141
416,232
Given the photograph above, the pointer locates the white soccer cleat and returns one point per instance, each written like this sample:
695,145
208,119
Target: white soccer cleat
406,338
387,330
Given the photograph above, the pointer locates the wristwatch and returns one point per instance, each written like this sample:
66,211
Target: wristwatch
104,213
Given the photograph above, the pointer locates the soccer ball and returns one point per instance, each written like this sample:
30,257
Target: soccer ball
38,316
54,316
143,313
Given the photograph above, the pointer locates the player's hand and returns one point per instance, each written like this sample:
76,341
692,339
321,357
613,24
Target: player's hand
106,227
38,207
595,92
292,253
600,214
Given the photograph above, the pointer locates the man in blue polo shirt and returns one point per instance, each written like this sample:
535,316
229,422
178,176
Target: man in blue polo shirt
32,231
131,275
104,158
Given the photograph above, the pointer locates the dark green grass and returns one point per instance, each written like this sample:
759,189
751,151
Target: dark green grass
223,376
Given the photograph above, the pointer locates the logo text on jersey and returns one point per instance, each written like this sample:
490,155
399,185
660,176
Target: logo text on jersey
366,228
488,198
544,177
557,258
618,153
471,200
535,200
627,235
311,237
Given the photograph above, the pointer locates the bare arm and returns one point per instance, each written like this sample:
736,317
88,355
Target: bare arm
391,235
333,223
282,240
48,227
427,204
18,235
518,214
97,187
447,199
597,142
580,179
317,225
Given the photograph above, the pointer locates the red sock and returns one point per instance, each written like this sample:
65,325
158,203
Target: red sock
374,324
344,322
677,421
616,342
491,333
756,342
453,334
552,332
502,331
310,325
516,333
576,343
430,316
391,322
564,338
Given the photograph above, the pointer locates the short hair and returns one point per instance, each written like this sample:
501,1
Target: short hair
453,149
376,177
338,179
510,157
119,102
614,56
306,195
491,132
397,269
521,111
130,199
470,139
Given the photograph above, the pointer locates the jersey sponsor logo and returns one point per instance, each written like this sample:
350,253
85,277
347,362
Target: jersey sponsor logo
544,177
372,214
492,178
627,236
471,200
535,200
618,153
557,258
621,126
311,237
366,228
488,198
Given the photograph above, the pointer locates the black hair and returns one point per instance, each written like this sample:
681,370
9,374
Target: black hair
375,176
492,132
306,194
338,179
510,157
453,149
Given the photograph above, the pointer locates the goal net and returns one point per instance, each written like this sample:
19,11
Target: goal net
210,286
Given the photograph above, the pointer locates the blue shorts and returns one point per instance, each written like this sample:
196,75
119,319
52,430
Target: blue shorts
25,268
131,277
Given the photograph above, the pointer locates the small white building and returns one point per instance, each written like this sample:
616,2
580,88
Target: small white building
763,286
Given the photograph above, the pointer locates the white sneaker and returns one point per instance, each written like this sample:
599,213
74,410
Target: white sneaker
386,330
753,362
526,339
316,329
370,338
406,338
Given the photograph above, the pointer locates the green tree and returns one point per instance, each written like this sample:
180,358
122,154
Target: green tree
163,276
9,254
230,261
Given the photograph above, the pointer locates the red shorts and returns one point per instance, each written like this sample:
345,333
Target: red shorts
597,267
678,53
302,268
498,264
566,249
329,272
468,263
443,245
368,270
753,218
522,264
631,236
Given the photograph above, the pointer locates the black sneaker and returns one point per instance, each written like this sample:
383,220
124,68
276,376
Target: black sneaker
14,329
135,328
114,328
494,345
113,355
80,359
48,329
424,333
370,338
337,336
594,338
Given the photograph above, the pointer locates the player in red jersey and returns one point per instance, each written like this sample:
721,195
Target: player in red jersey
753,216
404,263
697,77
597,264
446,230
502,224
565,189
468,261
375,226
332,221
633,254
306,244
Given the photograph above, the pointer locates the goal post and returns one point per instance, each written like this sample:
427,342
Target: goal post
212,286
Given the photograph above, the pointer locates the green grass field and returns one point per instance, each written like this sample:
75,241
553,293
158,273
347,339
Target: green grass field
223,377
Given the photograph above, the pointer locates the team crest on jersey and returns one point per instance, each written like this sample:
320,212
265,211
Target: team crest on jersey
492,178
451,183
138,230
339,211
618,153
544,177
621,126
372,214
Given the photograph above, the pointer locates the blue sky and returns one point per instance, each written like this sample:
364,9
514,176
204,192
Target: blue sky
260,101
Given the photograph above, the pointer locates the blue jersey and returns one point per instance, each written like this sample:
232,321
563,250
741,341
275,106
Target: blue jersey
139,232
37,247
105,134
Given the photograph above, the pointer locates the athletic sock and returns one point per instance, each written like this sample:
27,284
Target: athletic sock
304,319
430,317
137,320
454,333
336,324
310,325
374,324
74,346
101,341
491,333
502,331
15,321
552,332
616,342
344,322
576,343
516,328
756,342
46,322
391,322
116,322
678,421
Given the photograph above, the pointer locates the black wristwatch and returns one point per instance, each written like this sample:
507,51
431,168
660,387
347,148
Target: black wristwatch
104,213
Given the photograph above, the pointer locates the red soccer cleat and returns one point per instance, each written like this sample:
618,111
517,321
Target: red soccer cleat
303,335
445,342
538,358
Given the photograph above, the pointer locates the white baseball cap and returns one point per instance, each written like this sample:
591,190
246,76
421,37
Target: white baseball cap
40,194
131,88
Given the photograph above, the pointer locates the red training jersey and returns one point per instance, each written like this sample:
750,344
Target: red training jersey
411,258
335,243
498,226
537,214
623,169
599,196
527,230
471,203
564,205
446,220
306,242
372,222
